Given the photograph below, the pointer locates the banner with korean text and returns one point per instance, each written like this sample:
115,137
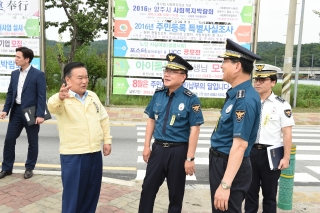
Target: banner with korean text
4,83
17,9
146,86
7,64
146,31
153,68
159,49
19,26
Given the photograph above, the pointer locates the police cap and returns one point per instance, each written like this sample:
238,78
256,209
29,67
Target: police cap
176,62
234,50
265,70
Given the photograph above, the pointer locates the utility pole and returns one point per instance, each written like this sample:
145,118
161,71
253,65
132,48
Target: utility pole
110,50
42,36
287,67
298,57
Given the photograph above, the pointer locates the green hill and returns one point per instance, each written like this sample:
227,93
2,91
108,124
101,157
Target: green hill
270,52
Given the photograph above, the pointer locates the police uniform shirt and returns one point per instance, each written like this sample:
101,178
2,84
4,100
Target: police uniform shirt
240,117
276,114
185,111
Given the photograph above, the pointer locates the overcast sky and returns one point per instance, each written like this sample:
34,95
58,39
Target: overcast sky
272,27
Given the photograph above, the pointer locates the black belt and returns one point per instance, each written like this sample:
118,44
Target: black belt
167,144
260,146
218,154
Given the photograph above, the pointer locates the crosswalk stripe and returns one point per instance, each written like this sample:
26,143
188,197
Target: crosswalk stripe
307,157
142,173
316,169
141,140
198,161
198,150
298,177
293,130
205,150
305,139
309,148
304,178
205,161
294,140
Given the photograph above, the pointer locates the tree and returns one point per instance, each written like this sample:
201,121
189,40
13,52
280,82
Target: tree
96,64
86,19
316,12
53,69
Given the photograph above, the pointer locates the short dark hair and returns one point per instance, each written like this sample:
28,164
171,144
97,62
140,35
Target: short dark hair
274,78
69,67
26,53
247,66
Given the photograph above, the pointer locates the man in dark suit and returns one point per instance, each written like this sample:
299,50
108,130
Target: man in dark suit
27,88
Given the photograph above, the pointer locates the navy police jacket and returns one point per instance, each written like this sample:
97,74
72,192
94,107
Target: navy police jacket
173,124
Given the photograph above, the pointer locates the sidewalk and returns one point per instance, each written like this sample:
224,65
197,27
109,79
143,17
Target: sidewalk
42,193
210,116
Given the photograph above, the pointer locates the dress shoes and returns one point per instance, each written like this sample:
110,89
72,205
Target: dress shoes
5,173
28,173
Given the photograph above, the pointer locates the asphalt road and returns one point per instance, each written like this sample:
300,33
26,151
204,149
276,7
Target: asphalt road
121,163
124,163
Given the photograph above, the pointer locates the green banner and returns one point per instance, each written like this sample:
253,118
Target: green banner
120,86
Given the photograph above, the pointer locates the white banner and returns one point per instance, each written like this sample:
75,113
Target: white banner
153,68
8,64
4,83
125,29
157,49
8,45
19,8
19,27
219,11
140,86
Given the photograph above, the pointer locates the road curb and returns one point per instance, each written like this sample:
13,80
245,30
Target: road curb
58,173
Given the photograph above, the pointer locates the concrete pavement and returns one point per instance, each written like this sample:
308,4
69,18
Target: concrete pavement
42,193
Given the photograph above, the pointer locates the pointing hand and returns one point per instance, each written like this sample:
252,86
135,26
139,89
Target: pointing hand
64,92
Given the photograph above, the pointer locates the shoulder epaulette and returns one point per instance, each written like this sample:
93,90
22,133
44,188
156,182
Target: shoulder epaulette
241,93
280,99
188,92
160,89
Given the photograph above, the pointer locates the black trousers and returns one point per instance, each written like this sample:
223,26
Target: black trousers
164,163
265,178
240,184
15,126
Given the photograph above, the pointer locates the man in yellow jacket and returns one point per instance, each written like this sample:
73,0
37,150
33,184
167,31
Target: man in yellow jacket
83,124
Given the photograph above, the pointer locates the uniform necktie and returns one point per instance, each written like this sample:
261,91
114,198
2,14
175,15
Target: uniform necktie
259,130
167,113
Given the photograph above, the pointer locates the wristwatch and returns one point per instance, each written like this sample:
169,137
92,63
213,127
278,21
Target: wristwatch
224,185
190,159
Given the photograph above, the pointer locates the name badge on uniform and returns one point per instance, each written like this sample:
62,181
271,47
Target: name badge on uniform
173,118
156,116
181,106
229,108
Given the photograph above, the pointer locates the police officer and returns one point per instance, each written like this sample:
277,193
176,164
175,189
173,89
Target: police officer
276,119
174,121
235,133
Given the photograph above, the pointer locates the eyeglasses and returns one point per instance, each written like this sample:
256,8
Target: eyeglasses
172,72
261,80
